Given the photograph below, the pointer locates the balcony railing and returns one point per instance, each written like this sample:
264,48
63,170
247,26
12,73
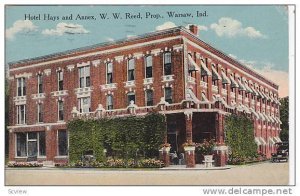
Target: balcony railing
167,78
240,97
224,91
191,80
110,86
247,100
148,81
214,88
252,102
130,83
38,96
203,84
232,94
59,93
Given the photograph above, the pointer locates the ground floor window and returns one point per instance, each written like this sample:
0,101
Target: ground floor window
62,143
30,144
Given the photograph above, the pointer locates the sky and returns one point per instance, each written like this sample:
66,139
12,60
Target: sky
257,36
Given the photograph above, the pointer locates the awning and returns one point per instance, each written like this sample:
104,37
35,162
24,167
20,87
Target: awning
277,139
278,119
241,86
261,116
266,117
272,120
190,96
255,113
204,98
192,64
234,84
204,70
248,89
257,141
225,79
261,95
215,75
254,91
271,141
267,96
262,141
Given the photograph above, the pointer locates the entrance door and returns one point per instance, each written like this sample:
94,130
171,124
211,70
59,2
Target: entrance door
172,140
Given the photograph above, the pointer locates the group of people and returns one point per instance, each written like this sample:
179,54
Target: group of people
177,159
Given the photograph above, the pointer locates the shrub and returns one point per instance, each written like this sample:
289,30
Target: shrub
24,164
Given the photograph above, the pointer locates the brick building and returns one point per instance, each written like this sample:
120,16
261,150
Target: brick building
171,71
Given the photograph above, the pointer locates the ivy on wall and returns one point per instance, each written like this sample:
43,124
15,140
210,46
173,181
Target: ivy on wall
240,138
127,137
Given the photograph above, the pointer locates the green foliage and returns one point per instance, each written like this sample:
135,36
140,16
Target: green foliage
125,138
284,117
240,138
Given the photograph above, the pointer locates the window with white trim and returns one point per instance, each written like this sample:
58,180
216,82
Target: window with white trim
84,104
167,63
109,102
168,95
148,61
130,97
109,73
40,83
21,114
40,113
62,138
84,76
149,97
60,80
21,87
60,105
30,144
131,69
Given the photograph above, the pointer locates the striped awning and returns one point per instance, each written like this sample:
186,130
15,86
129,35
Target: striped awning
241,86
262,141
271,141
192,64
278,119
204,70
215,75
277,139
248,89
225,79
234,84
254,112
204,98
257,141
254,91
261,116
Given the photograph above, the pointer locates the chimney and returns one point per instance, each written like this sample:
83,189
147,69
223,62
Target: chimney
194,29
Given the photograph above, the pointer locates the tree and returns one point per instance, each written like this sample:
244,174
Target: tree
284,117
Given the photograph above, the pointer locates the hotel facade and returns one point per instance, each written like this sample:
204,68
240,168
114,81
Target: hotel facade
170,71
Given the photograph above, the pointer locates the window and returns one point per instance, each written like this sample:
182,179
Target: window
215,82
232,89
21,115
167,63
84,77
149,97
62,143
84,104
60,110
109,102
109,73
31,144
60,80
40,112
40,83
130,97
148,66
130,69
203,78
42,143
21,86
168,95
224,85
21,144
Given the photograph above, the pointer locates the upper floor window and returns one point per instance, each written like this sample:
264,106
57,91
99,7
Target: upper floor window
21,114
149,97
167,63
109,102
60,80
168,95
40,113
130,97
40,83
84,104
224,85
84,77
21,86
215,82
131,68
148,61
60,110
109,73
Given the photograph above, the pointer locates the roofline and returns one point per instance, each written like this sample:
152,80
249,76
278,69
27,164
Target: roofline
143,36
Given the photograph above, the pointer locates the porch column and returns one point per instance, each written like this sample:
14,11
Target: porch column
190,149
164,155
51,149
220,151
12,140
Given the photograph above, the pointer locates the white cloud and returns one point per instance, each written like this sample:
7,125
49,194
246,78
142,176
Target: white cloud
64,28
110,39
18,27
166,25
232,56
229,27
130,36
